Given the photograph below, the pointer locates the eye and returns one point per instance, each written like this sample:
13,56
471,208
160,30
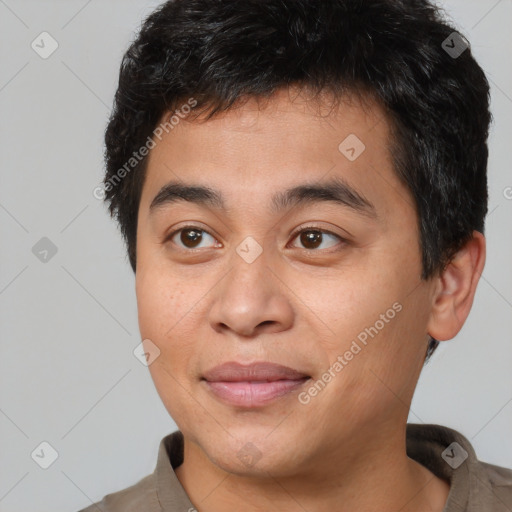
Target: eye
312,238
191,237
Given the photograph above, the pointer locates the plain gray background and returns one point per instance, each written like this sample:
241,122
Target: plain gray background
69,324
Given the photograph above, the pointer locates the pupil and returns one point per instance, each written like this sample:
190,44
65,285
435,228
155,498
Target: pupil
190,236
311,238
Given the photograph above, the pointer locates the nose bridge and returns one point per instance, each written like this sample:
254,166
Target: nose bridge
251,297
251,283
252,266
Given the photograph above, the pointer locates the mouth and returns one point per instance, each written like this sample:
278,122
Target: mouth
252,385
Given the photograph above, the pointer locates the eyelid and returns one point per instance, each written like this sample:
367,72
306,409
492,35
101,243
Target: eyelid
312,227
191,225
168,237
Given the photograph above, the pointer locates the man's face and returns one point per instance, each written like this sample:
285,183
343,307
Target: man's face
301,283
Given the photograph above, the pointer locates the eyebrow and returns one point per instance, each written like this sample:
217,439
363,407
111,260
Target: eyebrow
335,190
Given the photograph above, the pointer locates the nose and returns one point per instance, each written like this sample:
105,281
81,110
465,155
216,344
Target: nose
251,299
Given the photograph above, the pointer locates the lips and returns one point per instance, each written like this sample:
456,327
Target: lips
252,385
236,372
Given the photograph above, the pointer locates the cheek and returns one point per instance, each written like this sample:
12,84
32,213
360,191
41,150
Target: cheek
155,305
166,316
354,304
165,299
377,316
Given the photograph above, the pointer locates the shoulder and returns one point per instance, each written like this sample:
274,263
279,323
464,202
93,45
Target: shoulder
500,481
137,497
475,486
156,492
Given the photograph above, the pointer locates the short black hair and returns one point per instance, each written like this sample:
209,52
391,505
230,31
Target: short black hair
403,53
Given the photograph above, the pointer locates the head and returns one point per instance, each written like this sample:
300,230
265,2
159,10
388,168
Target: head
237,123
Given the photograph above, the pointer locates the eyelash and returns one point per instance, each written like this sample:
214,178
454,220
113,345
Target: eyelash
293,236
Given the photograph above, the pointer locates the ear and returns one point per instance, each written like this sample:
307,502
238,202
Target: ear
455,289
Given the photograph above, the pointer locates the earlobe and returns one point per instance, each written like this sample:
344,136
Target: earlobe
455,289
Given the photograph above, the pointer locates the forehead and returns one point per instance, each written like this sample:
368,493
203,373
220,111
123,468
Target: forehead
261,146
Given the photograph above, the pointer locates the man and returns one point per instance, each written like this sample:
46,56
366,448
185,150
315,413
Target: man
302,189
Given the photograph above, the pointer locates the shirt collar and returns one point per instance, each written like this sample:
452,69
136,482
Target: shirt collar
450,456
470,488
170,493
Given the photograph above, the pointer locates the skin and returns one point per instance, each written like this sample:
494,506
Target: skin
296,305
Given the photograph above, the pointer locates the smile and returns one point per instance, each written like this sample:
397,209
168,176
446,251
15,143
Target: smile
252,385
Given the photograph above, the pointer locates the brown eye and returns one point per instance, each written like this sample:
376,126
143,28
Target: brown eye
313,238
190,237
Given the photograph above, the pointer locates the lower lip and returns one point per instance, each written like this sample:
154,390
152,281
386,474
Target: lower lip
253,394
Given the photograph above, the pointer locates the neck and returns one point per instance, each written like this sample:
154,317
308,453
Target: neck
377,476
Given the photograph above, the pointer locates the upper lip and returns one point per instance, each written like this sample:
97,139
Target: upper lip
260,371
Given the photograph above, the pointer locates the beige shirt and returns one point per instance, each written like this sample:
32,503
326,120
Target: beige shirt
474,486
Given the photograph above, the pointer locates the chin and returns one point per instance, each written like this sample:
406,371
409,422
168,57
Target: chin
251,461
252,452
